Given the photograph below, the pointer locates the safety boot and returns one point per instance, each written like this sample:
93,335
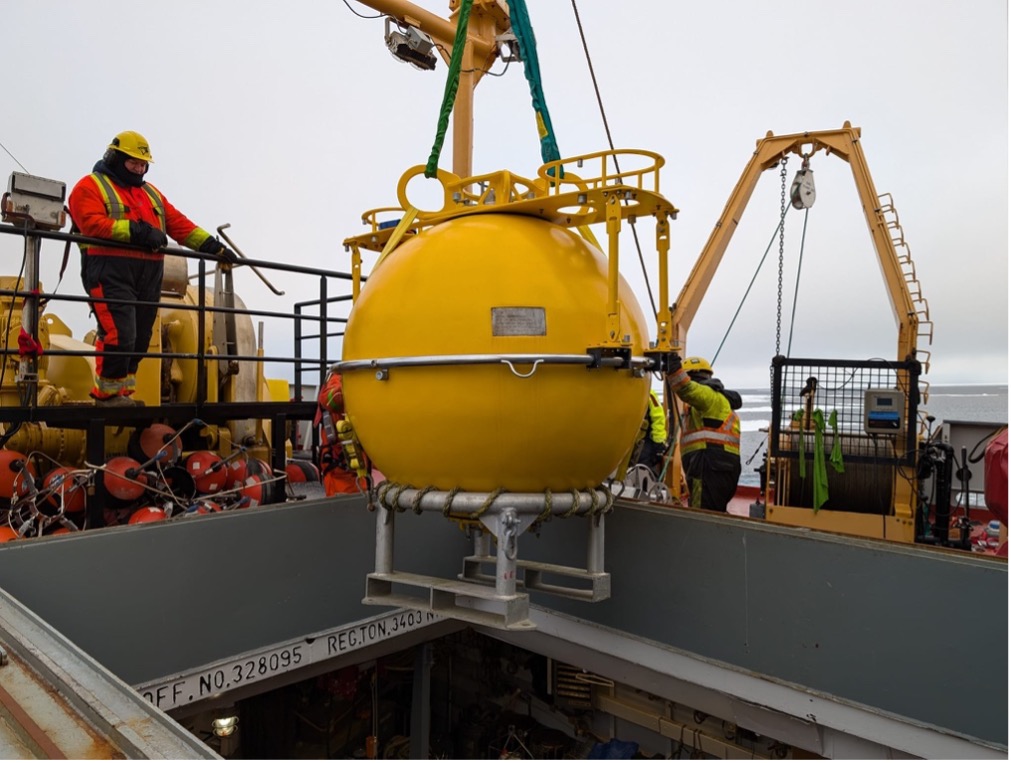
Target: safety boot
115,401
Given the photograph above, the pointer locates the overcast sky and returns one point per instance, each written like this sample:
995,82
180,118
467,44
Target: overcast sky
288,120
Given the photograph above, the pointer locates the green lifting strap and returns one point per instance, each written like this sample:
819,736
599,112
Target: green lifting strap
452,85
528,52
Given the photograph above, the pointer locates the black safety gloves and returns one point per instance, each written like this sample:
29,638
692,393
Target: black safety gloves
145,234
213,246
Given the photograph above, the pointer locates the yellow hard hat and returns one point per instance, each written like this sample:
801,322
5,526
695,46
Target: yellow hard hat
695,364
133,144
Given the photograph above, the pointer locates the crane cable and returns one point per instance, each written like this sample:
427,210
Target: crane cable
796,287
779,294
6,151
610,142
777,232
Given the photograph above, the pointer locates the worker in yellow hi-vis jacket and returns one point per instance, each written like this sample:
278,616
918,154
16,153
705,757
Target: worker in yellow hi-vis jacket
654,444
710,435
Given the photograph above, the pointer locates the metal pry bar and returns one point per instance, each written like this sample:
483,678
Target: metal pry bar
221,232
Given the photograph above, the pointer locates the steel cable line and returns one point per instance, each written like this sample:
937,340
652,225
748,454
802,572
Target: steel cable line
748,290
796,288
796,291
14,158
362,15
610,142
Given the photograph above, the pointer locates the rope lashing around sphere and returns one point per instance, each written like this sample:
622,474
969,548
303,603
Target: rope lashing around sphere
416,503
575,503
486,504
447,506
545,516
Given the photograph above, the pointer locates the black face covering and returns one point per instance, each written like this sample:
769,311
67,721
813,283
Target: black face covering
114,165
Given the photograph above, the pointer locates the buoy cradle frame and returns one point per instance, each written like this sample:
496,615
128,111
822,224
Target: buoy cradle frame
478,596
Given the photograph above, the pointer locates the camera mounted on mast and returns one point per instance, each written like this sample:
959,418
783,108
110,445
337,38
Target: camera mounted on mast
410,44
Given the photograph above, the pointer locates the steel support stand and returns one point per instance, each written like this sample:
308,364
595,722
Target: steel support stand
384,541
28,371
505,558
595,545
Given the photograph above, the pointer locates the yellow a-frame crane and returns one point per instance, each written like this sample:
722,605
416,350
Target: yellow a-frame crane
908,306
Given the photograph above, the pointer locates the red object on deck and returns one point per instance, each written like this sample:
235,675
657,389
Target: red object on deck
252,491
124,479
301,471
237,471
995,477
207,471
11,464
147,514
61,488
156,440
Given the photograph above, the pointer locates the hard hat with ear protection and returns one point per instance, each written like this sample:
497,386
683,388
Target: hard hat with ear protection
133,144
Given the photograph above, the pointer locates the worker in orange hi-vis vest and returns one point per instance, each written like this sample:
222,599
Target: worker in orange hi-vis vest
710,434
339,476
114,202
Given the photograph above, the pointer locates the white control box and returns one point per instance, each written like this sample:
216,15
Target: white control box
883,411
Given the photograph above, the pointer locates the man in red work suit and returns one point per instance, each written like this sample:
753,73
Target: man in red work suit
114,202
339,476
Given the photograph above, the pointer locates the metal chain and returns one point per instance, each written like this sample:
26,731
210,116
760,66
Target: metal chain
782,228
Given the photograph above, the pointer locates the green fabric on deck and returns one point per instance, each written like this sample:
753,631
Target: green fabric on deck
820,487
836,459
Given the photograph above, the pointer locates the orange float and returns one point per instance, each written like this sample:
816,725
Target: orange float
123,478
147,514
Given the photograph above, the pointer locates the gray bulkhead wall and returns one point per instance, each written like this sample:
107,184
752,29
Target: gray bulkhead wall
157,599
916,632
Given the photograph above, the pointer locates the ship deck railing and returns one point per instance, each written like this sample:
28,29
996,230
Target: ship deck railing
313,319
317,313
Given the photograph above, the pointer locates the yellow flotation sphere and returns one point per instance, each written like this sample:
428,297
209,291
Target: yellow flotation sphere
492,284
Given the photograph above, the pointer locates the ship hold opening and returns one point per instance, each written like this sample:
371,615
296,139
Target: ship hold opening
468,696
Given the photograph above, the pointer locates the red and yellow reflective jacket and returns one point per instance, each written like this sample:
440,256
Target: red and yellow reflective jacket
710,421
102,208
338,476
